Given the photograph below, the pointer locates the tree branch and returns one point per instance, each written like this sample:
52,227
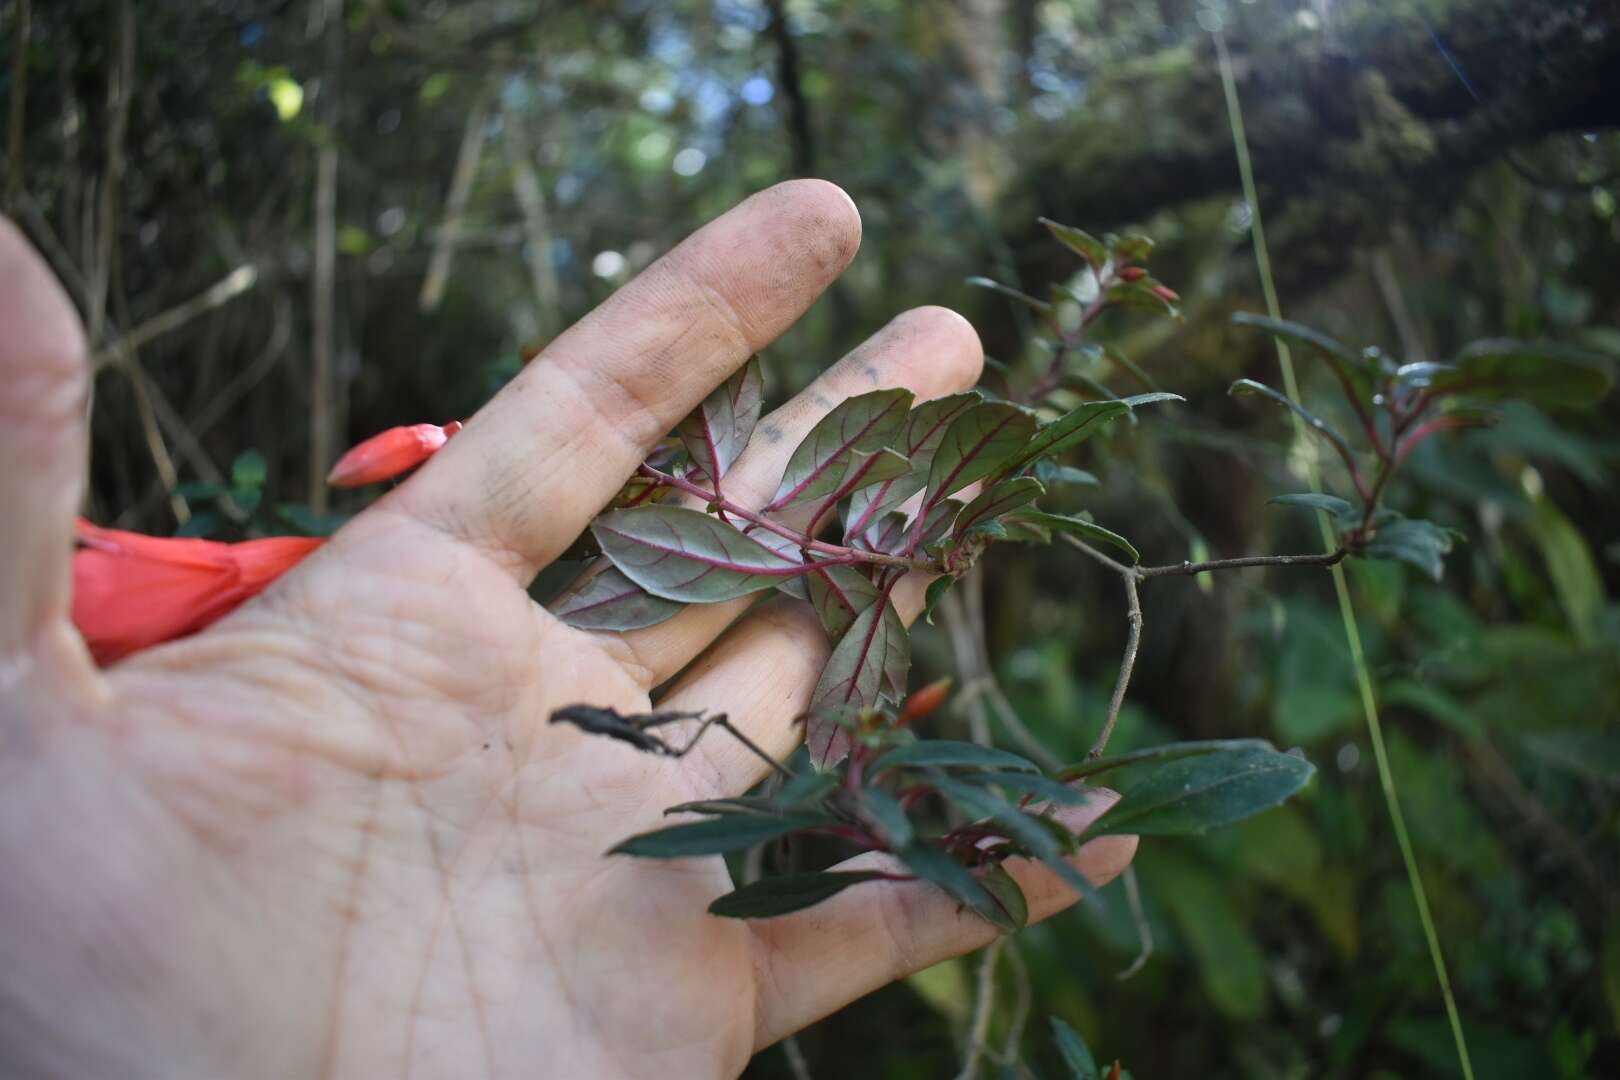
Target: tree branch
1132,576
984,1000
223,291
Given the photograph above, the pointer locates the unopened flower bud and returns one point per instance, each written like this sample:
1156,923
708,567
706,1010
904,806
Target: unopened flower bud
394,451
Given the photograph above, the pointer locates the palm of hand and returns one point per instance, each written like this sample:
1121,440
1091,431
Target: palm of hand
333,835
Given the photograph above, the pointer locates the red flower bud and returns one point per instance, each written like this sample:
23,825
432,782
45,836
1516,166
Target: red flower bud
131,591
1166,293
924,702
1132,273
384,456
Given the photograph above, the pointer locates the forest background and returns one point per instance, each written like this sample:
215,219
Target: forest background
289,225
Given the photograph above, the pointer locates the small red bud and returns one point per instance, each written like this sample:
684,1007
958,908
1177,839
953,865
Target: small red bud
1113,1074
1166,293
924,702
390,453
1132,273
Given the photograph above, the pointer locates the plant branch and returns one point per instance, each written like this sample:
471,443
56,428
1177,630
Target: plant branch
455,206
1127,665
223,291
984,1000
1132,576
1352,632
1187,569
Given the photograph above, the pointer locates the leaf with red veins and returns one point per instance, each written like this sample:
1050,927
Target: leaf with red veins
719,428
839,594
611,601
925,429
1003,497
864,424
978,443
868,665
687,555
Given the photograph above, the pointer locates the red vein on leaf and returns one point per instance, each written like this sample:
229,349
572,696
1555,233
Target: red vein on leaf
787,497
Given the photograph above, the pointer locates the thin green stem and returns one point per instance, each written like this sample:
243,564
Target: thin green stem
1369,704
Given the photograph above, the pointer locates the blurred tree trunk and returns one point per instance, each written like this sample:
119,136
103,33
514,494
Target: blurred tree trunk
1377,112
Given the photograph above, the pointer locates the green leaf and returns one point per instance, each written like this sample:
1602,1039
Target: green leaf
1161,754
1361,371
195,492
718,429
686,555
796,794
1035,834
1026,783
997,500
786,893
936,592
1543,374
203,524
1088,530
1574,572
931,864
870,659
1133,247
1230,963
1068,430
1331,505
839,594
1008,290
1611,970
308,521
1006,894
1078,241
716,836
611,601
886,816
1193,795
1312,421
1052,474
925,430
1136,401
979,442
863,424
944,753
1076,1054
1423,544
1140,294
249,470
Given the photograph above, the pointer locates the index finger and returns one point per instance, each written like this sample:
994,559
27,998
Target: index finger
533,466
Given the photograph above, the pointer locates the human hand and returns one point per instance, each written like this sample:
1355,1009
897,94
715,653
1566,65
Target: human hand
334,835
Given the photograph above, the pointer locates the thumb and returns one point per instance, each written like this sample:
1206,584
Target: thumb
42,442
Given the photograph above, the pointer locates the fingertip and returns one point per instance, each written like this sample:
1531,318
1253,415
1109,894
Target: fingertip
823,216
959,359
42,327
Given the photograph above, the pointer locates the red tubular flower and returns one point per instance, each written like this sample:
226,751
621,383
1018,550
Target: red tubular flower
131,591
1166,293
384,456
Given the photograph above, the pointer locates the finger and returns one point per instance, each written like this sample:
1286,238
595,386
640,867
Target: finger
932,351
818,960
42,442
537,463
